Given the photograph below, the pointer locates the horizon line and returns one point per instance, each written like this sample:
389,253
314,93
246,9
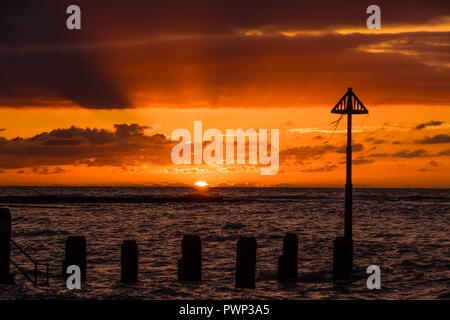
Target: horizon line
218,187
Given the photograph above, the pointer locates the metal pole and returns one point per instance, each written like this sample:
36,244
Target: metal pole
348,184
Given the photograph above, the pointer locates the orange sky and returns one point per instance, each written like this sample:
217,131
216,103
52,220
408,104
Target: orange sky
98,107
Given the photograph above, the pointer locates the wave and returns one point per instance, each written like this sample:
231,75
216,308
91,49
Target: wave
58,195
45,199
424,198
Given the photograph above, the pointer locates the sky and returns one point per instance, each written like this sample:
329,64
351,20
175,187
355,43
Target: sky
97,106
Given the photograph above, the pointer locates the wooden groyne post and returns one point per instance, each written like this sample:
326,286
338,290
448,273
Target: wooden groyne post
190,264
245,262
5,246
288,261
342,258
129,261
75,255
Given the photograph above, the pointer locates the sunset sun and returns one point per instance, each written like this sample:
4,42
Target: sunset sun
201,184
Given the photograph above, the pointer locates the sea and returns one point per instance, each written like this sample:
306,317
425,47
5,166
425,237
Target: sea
403,231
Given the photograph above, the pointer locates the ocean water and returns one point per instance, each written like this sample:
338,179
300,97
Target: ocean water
404,231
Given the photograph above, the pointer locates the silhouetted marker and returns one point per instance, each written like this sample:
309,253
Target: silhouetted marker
5,245
190,264
343,248
342,258
246,262
75,255
129,261
288,261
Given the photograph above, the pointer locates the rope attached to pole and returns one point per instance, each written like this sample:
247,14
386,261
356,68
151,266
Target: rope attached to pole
335,127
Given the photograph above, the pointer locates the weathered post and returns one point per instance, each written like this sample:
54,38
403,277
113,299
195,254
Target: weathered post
288,261
5,246
342,258
129,261
75,255
190,264
245,262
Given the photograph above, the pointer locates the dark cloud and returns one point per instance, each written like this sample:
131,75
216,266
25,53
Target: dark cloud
35,54
374,140
46,170
243,71
325,168
167,50
60,76
296,155
361,160
433,163
428,124
129,130
444,153
410,153
440,138
117,19
126,145
417,153
355,148
379,155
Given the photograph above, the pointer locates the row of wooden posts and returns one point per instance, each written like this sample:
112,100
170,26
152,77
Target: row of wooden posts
190,264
